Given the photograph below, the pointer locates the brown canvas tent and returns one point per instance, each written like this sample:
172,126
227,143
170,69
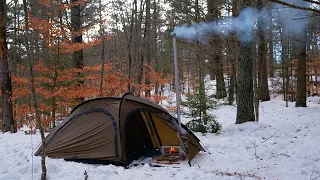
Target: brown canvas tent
117,130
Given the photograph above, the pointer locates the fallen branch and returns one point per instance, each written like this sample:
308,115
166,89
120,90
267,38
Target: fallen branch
255,149
282,154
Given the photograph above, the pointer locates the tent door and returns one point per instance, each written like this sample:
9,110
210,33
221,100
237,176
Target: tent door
138,140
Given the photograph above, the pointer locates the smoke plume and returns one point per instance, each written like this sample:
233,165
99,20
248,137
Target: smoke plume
291,20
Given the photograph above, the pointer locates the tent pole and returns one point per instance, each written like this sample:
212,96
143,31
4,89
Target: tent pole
176,73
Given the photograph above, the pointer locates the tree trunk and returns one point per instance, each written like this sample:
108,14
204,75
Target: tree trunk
33,94
129,44
155,50
77,57
102,59
210,17
263,89
202,90
221,86
270,42
6,86
256,79
147,42
301,100
245,108
16,46
284,62
217,69
141,73
234,55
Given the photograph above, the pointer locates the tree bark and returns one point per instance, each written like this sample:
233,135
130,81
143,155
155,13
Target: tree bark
221,86
155,49
210,17
77,57
245,108
263,89
301,99
6,86
141,73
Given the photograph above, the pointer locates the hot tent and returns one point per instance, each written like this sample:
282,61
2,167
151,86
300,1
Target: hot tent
117,130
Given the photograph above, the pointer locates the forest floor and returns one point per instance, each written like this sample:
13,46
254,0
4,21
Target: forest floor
284,145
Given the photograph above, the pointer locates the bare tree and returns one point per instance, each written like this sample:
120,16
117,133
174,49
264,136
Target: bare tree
33,92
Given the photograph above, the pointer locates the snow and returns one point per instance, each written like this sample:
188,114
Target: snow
283,145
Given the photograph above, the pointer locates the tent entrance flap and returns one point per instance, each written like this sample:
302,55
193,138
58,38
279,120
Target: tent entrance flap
138,139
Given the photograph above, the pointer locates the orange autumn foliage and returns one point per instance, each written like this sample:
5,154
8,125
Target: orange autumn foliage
65,91
155,78
55,83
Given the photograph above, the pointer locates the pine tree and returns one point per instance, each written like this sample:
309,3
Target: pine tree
199,104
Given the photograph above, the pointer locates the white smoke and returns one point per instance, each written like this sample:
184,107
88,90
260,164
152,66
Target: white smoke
292,20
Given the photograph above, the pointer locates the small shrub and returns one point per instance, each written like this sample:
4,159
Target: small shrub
199,104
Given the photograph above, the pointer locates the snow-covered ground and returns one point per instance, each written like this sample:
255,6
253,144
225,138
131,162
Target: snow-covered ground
284,145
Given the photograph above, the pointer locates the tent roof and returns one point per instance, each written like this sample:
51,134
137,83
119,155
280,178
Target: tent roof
126,96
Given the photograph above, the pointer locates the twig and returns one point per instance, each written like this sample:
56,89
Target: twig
241,175
221,152
255,149
282,154
268,138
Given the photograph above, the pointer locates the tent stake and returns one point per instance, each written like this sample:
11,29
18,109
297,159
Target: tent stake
176,73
